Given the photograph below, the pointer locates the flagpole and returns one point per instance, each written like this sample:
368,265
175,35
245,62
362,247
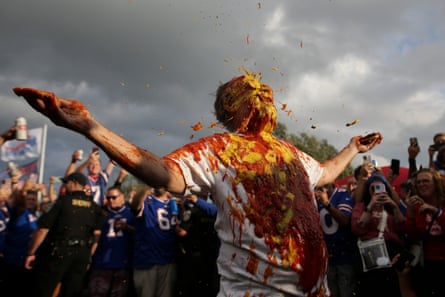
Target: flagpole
42,155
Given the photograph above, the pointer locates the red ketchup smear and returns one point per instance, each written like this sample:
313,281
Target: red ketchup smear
280,202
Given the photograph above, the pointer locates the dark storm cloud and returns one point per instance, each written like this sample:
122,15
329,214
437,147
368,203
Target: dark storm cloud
149,69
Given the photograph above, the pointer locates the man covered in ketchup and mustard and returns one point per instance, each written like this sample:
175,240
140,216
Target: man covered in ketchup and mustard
268,223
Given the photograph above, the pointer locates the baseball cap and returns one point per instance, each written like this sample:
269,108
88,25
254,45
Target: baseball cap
76,177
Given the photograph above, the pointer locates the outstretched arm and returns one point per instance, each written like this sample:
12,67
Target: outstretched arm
93,156
73,115
335,166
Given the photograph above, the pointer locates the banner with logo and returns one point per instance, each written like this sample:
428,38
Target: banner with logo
26,171
15,150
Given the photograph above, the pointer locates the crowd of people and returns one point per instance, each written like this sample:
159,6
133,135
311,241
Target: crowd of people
136,259
383,241
271,240
91,239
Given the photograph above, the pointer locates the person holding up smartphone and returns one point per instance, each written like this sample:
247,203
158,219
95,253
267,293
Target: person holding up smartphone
437,153
438,143
378,196
413,151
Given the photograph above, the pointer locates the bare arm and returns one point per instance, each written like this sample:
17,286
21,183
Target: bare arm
121,177
431,152
143,164
109,168
405,282
37,238
335,166
73,115
339,217
96,236
413,151
93,156
72,165
138,198
7,135
52,195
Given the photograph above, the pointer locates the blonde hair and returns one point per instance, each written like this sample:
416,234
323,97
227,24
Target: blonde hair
438,181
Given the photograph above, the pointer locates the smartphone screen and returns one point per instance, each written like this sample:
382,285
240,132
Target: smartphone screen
395,166
378,188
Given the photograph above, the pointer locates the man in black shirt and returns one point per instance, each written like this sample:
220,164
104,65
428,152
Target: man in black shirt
69,232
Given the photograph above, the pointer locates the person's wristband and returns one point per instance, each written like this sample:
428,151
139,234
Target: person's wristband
328,206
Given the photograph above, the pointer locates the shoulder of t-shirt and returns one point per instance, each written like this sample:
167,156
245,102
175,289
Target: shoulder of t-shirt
200,144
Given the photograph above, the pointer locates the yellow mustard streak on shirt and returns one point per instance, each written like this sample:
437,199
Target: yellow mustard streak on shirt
294,254
253,157
81,203
282,225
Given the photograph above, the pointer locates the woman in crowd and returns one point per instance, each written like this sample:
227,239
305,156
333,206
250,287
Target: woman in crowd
378,210
426,222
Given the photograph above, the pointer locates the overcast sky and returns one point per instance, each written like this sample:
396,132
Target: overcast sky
148,69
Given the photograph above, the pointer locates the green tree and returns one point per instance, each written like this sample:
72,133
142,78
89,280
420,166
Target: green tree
320,150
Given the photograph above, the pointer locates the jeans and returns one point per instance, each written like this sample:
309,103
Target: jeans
342,280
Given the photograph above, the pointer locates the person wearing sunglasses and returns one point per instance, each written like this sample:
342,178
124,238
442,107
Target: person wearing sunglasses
110,270
272,243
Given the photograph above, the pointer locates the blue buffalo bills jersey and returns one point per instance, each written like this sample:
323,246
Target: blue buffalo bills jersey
155,235
19,230
340,241
98,186
115,246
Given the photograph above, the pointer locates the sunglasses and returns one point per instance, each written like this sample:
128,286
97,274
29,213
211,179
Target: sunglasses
112,197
